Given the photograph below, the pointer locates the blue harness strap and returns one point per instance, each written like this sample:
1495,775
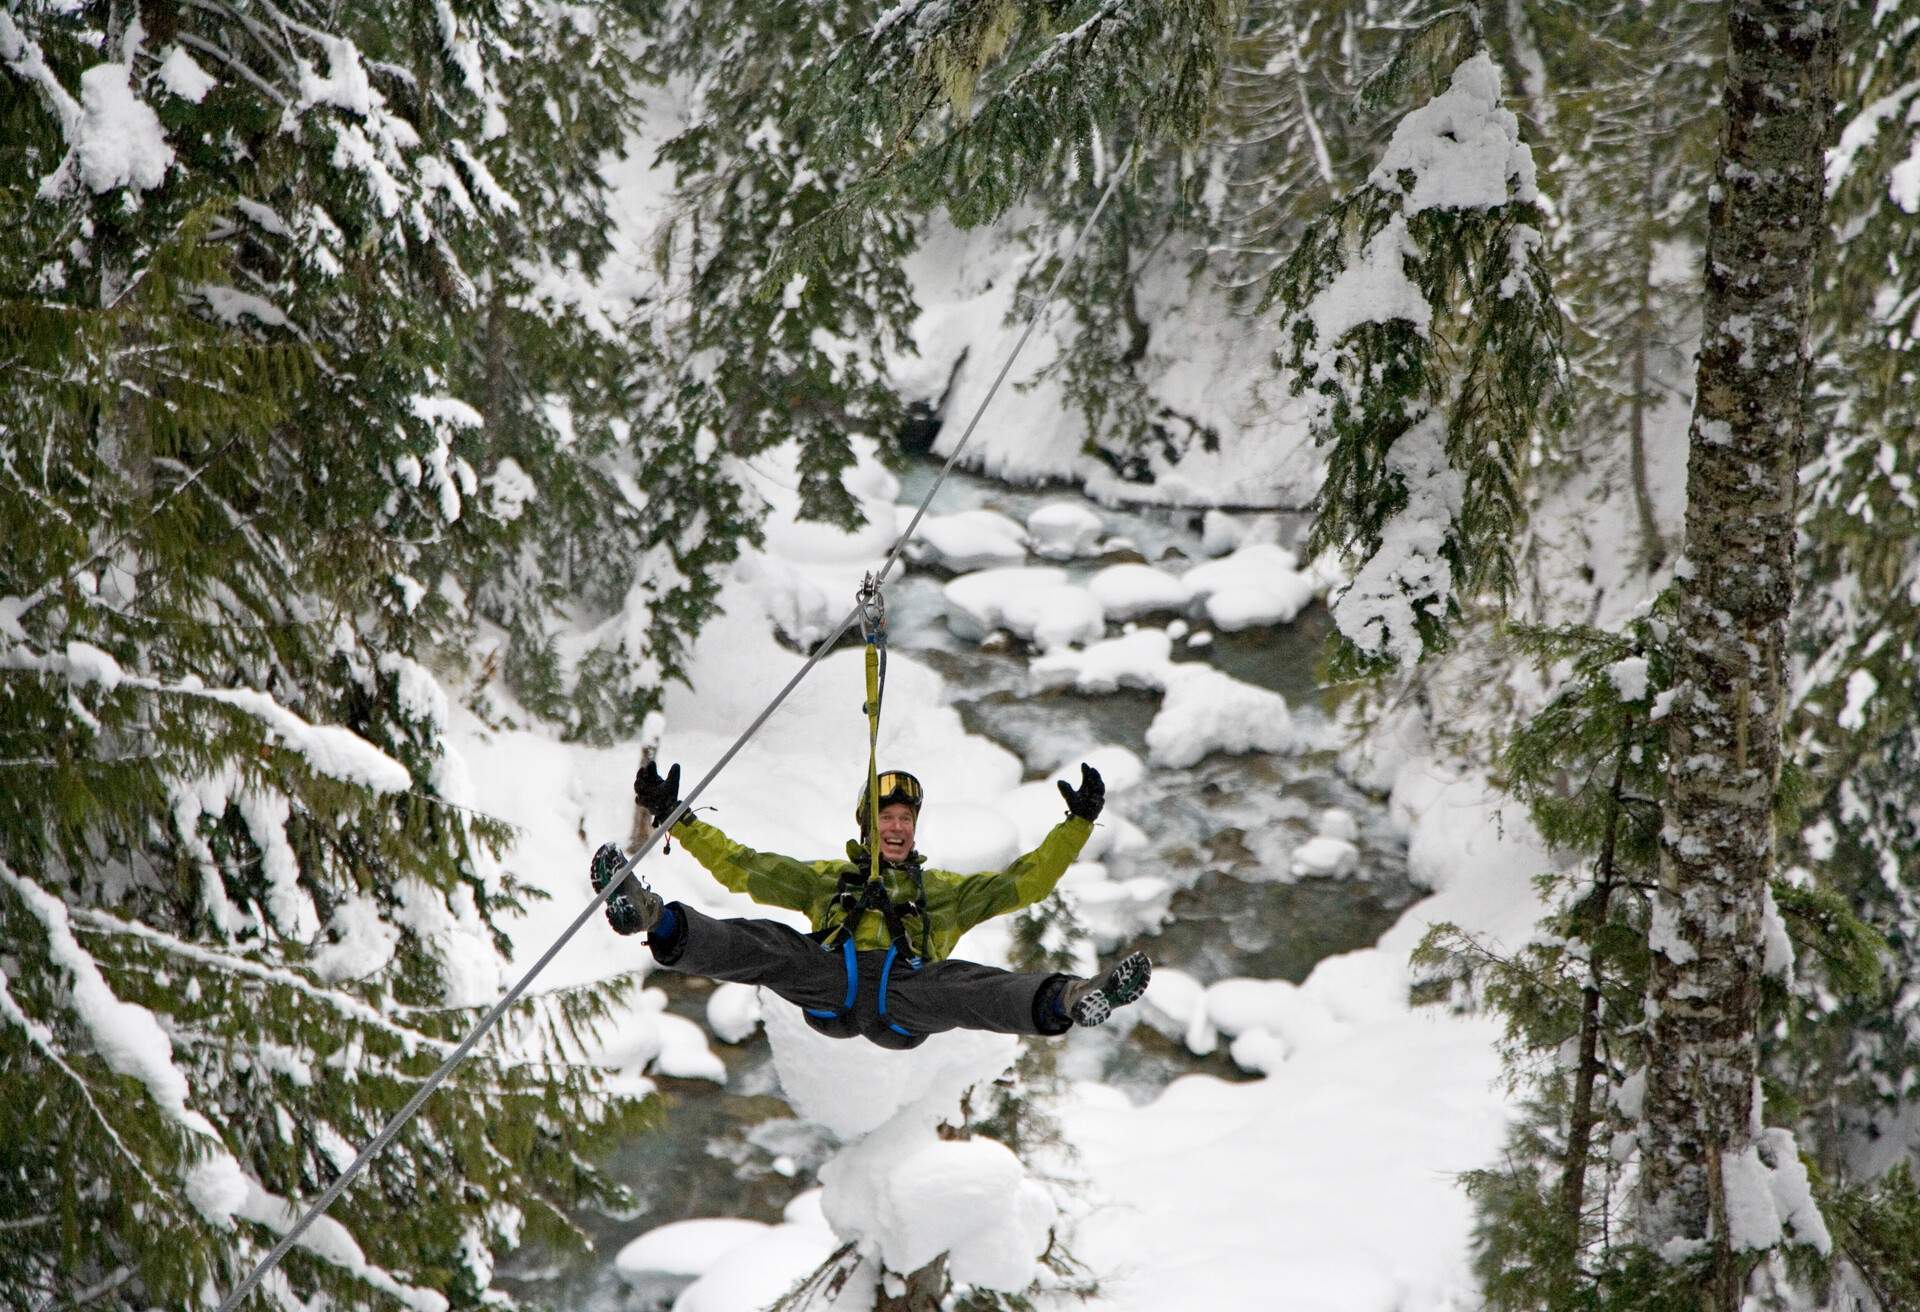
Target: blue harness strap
886,970
853,984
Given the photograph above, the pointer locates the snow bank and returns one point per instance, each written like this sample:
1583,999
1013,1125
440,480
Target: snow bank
1333,1178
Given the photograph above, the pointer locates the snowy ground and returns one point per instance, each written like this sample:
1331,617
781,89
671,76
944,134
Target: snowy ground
1328,1183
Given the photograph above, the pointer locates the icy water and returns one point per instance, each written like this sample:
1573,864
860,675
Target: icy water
1219,830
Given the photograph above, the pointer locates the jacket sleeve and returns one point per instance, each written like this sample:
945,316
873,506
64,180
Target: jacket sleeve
1026,881
767,877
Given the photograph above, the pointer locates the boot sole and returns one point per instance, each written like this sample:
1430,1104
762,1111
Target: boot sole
1124,984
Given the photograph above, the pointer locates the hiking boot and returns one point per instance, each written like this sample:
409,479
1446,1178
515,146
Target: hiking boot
1091,1001
633,908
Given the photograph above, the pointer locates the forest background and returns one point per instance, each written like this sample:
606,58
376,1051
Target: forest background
318,366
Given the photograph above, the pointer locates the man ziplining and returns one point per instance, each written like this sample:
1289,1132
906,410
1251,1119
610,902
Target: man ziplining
876,962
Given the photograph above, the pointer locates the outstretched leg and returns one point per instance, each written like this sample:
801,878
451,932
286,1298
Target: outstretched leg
763,952
946,995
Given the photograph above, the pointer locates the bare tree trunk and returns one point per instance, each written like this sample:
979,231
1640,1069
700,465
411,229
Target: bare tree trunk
1734,590
1653,548
1584,1115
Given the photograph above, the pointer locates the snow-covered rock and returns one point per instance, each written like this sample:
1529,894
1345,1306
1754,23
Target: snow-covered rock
1176,1005
1036,604
969,540
734,1012
1139,659
1326,857
755,1274
1206,711
1127,592
914,1195
855,1088
1115,911
1064,530
1259,584
685,1248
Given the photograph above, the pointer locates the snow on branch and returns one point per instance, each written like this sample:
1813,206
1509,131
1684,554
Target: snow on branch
336,752
334,1244
1423,333
128,1037
337,1000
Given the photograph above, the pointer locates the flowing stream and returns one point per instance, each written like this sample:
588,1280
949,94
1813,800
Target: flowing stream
1220,830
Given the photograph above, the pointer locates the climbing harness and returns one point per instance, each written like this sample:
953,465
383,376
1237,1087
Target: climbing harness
466,1046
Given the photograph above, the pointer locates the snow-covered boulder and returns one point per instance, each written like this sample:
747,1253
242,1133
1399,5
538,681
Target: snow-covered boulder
899,1189
1259,584
913,1196
1206,711
1127,592
734,1012
1176,1005
1221,533
969,540
685,1248
1036,604
1064,530
755,1274
1116,911
854,1088
1139,659
1331,853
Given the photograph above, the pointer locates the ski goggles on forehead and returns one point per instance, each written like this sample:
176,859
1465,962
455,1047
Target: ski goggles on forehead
899,786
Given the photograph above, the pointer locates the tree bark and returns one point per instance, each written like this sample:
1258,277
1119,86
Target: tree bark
1733,592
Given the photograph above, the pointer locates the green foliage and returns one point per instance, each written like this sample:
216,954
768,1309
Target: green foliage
1876,1226
975,103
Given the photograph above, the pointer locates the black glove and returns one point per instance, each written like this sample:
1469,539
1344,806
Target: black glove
655,795
1087,802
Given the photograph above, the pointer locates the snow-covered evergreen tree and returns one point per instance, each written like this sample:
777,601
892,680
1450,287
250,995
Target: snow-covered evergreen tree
243,250
1425,335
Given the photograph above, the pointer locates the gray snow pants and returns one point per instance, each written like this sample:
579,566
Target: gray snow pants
892,1000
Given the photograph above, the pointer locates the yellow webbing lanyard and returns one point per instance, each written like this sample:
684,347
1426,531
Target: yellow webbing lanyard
873,769
872,605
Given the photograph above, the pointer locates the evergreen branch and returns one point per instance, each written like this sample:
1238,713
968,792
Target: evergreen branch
344,1003
65,582
42,1039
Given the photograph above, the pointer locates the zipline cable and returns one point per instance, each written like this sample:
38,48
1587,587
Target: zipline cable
618,878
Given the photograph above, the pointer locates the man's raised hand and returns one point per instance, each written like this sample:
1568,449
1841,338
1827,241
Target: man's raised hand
1087,800
655,795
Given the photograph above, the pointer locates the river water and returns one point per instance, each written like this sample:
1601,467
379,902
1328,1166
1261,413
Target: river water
1215,829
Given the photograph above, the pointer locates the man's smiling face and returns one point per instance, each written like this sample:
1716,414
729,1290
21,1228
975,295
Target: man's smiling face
896,831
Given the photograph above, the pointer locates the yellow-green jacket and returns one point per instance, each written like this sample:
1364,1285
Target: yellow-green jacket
955,903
